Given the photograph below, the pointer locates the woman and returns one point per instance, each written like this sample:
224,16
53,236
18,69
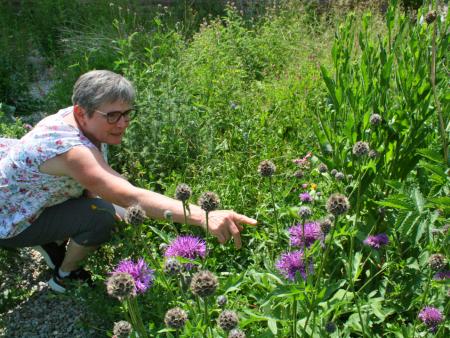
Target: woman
50,177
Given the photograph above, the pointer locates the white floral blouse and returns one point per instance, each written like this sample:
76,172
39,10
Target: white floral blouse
25,191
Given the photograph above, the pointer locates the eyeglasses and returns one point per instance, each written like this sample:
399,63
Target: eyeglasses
114,116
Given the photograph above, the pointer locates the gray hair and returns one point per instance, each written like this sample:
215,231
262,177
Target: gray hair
97,87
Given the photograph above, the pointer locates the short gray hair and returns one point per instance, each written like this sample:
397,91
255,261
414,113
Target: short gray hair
97,87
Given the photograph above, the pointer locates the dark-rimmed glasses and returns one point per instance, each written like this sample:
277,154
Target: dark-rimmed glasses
114,116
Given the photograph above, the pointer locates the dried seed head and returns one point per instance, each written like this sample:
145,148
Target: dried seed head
122,329
163,247
349,177
322,168
168,215
172,266
135,215
299,174
228,320
222,300
333,172
266,168
325,225
360,148
209,201
175,318
121,286
337,204
437,261
236,333
304,212
375,120
330,327
373,154
204,283
430,17
445,229
183,192
339,176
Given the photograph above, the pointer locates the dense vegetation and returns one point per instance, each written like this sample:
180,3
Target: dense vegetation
353,102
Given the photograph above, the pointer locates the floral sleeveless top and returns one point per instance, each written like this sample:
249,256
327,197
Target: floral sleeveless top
25,191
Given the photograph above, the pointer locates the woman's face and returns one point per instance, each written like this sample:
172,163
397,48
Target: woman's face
99,130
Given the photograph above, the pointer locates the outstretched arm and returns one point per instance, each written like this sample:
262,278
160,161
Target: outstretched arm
88,167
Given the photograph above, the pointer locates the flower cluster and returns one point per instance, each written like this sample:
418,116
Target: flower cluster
376,241
431,317
291,264
305,197
312,233
142,275
189,247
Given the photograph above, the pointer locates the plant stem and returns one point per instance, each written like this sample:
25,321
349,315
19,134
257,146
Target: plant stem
294,317
274,208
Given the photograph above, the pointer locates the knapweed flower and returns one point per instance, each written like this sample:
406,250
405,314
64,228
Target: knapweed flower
266,168
236,333
303,162
337,204
183,192
121,286
304,212
228,320
291,265
313,232
204,283
172,266
175,318
372,154
141,273
305,185
442,275
375,120
134,215
437,261
299,174
431,317
209,201
377,241
360,148
122,329
222,300
189,247
322,168
305,197
339,176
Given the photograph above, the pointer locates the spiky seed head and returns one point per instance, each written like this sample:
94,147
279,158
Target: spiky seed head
337,204
437,261
266,168
333,172
122,329
172,266
372,154
322,168
330,327
222,300
299,174
304,212
168,215
209,201
325,225
121,286
430,17
349,177
339,176
183,192
445,229
375,120
236,333
163,247
135,215
360,148
228,320
204,283
175,318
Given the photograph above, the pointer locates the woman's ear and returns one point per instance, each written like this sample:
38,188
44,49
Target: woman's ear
79,113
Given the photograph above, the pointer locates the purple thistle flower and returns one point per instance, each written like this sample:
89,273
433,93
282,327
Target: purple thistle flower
312,234
291,263
431,317
141,273
376,241
442,275
305,197
189,247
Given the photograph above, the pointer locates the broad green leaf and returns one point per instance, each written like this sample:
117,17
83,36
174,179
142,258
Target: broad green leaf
272,324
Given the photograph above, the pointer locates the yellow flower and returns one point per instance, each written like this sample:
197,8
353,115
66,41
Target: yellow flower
313,186
93,206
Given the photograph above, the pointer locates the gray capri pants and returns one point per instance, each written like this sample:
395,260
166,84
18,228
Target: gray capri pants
87,221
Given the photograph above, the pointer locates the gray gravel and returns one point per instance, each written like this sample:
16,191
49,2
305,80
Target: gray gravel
44,313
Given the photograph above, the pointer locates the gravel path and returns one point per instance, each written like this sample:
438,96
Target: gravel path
44,313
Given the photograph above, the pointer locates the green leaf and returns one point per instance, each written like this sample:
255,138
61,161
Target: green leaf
272,324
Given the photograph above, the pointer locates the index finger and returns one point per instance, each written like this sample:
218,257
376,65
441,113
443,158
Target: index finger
244,219
236,236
